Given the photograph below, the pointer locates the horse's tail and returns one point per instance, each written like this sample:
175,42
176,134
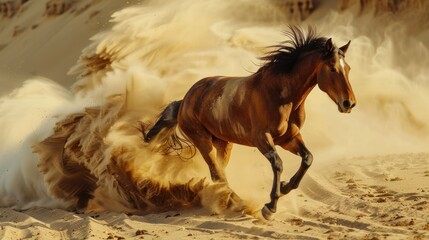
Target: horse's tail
167,120
170,141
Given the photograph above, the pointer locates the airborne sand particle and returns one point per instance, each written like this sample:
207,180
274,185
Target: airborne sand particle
149,60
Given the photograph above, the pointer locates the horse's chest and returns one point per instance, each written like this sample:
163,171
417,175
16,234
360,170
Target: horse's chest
297,118
290,125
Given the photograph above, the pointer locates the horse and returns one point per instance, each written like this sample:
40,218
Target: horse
263,110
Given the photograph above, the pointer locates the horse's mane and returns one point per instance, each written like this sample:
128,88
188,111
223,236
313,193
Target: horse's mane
286,54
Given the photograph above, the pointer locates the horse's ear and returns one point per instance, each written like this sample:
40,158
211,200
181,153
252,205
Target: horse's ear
329,46
345,47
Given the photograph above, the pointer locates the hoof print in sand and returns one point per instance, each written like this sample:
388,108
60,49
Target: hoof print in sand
8,8
58,7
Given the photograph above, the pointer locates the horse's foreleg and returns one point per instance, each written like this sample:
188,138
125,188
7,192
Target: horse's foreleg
267,148
297,146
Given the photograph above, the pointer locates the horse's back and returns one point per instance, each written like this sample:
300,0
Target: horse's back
197,96
211,104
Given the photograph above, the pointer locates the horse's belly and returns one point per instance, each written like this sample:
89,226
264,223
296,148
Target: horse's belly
231,131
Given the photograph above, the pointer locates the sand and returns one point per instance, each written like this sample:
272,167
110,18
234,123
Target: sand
381,197
370,176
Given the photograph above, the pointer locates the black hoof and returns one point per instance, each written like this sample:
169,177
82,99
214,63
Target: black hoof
267,213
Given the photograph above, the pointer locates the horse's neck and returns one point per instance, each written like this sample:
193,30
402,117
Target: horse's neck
296,85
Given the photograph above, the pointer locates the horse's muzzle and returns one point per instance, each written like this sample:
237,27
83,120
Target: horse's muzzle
346,106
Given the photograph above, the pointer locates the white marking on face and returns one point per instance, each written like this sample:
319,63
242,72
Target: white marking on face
343,65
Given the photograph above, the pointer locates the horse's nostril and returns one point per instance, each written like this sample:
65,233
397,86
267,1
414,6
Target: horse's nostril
346,104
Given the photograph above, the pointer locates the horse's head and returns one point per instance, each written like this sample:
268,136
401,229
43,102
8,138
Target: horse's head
333,77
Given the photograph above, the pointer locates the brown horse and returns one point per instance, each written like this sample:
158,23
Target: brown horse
262,110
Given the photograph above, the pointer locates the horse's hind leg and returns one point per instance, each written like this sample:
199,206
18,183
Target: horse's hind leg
297,146
203,141
208,152
223,149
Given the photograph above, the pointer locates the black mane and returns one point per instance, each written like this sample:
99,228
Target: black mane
287,53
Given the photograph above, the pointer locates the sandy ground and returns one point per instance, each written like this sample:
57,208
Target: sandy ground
381,197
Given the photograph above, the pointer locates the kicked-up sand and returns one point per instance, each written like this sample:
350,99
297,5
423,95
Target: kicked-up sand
73,164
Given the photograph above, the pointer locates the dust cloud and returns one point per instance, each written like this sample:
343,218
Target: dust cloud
155,51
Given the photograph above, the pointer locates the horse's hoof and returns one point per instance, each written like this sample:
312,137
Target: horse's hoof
267,213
